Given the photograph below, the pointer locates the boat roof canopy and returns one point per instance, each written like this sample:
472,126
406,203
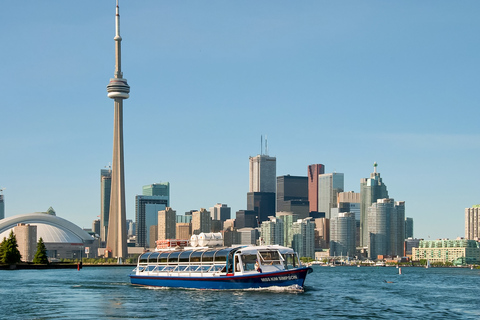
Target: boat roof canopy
215,255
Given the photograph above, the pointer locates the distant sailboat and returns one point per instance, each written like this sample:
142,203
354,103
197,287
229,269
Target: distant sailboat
428,264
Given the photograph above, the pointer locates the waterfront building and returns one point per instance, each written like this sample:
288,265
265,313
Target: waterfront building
322,233
2,206
350,202
386,223
96,227
371,189
410,243
62,238
183,230
460,251
329,186
472,223
26,236
229,224
246,219
146,215
231,237
304,237
105,186
314,170
263,203
201,221
292,195
342,235
130,228
184,219
288,219
166,224
247,236
272,232
220,212
152,236
117,89
408,228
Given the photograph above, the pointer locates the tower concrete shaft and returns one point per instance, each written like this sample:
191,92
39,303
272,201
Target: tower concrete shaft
118,90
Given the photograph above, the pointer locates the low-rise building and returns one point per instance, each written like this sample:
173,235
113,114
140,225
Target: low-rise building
457,251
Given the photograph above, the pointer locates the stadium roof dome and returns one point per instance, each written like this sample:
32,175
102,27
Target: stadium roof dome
50,228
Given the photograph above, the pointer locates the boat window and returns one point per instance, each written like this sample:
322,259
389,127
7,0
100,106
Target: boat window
168,268
149,268
163,257
144,257
153,257
184,256
290,261
221,255
191,268
173,257
248,261
208,256
217,268
180,268
270,257
196,256
203,268
158,268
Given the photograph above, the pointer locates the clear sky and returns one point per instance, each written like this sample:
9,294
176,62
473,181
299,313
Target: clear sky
343,83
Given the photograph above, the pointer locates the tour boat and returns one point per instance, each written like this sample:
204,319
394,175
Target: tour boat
242,267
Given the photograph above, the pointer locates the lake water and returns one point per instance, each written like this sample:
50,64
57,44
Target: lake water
330,293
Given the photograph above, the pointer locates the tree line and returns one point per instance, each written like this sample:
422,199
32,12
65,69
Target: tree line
9,253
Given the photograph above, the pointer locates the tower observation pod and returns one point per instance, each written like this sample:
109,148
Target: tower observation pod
117,89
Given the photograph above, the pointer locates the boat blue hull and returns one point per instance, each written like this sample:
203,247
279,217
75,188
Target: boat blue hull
260,280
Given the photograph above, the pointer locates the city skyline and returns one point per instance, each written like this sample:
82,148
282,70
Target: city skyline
343,85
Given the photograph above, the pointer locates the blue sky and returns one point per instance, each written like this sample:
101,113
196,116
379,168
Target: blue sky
343,83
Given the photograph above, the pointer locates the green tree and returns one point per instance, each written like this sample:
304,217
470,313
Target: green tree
10,254
2,249
41,254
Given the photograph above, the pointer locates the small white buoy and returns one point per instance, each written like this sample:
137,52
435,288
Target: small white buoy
399,270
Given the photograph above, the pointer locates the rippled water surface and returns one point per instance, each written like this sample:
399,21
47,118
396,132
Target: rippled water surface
330,293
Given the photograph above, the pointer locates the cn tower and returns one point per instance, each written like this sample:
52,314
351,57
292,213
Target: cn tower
118,90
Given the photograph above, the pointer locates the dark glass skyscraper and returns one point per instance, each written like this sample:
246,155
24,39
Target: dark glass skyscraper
292,195
105,184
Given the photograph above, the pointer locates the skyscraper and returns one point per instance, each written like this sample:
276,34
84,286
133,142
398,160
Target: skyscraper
304,237
408,228
472,223
263,203
220,212
201,221
2,207
117,89
146,212
272,231
329,186
371,189
313,171
166,224
105,185
263,171
342,235
386,228
157,189
292,195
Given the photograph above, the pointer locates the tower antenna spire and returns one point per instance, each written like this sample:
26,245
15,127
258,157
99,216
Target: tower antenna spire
118,90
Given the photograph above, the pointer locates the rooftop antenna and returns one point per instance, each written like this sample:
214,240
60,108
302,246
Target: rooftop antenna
261,144
375,167
266,146
1,190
